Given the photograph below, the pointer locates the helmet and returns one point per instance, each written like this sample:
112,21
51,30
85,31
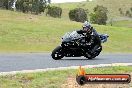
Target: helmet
87,26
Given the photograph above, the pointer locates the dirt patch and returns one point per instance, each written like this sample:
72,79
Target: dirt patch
71,83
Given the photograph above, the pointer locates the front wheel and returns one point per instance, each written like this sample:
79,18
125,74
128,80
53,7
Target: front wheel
57,53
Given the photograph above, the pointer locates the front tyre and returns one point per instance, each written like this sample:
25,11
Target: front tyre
57,53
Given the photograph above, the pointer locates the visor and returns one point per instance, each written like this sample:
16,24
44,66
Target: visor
86,26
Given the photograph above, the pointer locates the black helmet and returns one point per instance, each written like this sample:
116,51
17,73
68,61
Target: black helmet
86,24
87,27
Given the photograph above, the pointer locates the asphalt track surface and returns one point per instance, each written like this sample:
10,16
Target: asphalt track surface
32,61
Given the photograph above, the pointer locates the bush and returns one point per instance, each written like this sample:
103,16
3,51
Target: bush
34,6
25,7
7,4
99,16
131,9
54,11
128,13
78,14
121,12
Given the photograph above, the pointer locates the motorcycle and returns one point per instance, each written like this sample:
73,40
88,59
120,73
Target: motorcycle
74,45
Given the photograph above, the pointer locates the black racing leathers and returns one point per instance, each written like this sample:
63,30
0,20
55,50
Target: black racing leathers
92,38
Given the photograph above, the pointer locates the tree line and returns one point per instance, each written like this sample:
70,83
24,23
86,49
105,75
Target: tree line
33,6
99,16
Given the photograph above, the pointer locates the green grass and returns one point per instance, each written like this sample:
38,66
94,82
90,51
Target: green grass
112,6
49,79
31,33
53,79
123,23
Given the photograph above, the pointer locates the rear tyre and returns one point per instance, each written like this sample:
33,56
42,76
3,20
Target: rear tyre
57,53
98,50
90,55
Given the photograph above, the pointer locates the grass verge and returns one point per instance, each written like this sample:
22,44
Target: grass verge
53,79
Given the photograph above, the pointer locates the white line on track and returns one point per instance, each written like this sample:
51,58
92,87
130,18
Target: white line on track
64,68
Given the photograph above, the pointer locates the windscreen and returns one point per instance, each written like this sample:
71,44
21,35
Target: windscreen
71,36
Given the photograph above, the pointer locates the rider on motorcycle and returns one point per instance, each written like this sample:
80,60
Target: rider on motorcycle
91,35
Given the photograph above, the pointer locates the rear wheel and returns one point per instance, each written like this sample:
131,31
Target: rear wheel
57,53
98,50
88,55
94,54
